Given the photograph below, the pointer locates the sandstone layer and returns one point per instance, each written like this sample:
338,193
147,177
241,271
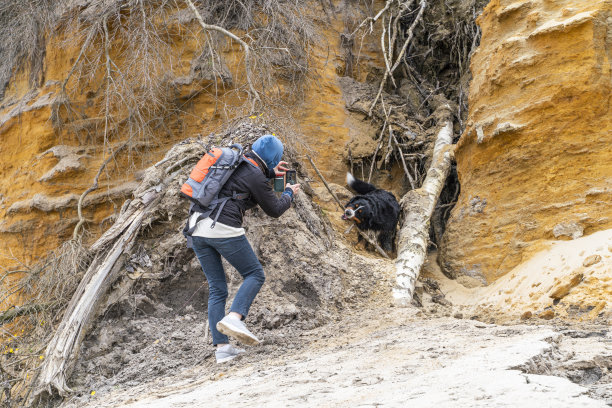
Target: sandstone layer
534,161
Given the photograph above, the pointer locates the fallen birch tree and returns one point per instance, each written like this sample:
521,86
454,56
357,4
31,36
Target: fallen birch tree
418,206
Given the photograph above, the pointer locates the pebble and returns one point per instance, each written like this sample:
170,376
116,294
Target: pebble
547,314
591,260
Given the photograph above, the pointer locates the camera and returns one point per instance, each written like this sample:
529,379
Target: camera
280,182
291,177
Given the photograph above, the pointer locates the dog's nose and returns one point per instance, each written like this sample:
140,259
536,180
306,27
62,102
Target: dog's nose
349,213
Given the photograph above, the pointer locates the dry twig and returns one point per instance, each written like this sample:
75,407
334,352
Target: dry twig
400,56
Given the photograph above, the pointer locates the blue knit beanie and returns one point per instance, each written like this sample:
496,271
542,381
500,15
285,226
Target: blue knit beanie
269,149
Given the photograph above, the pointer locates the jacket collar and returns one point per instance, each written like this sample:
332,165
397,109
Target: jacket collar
269,173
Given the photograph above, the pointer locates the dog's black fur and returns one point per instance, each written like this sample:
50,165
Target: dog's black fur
374,209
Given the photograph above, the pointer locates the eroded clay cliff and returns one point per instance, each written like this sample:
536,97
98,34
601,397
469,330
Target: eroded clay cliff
534,161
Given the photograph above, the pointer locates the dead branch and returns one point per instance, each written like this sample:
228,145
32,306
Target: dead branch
20,311
382,132
94,186
417,20
325,183
245,46
372,20
401,154
384,51
376,151
90,36
400,56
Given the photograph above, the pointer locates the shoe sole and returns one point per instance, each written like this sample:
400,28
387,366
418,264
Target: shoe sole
230,330
226,359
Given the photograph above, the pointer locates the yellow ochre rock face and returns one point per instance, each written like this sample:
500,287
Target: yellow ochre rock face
44,169
534,162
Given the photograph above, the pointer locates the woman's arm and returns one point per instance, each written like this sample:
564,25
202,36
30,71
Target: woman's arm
263,194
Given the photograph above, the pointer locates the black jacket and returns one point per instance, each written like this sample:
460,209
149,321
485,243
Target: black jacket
253,180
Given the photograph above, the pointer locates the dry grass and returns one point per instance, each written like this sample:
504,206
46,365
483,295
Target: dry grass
27,328
23,24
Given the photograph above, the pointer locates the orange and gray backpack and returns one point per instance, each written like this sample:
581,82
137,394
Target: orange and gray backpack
206,181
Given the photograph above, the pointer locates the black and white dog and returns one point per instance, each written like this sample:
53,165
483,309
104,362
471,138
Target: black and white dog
373,209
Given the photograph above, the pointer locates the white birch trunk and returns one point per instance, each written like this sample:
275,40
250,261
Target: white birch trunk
418,206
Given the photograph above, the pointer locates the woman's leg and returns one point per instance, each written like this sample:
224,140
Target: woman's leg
240,255
217,286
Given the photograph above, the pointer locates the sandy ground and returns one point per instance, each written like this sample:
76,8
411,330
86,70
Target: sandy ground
463,347
571,280
394,357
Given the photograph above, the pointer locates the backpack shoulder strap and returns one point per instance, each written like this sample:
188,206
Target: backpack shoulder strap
251,161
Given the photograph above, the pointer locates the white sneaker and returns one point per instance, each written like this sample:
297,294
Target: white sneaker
227,353
232,326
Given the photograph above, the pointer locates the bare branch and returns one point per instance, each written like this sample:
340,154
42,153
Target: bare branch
94,186
245,46
90,36
372,20
400,56
401,155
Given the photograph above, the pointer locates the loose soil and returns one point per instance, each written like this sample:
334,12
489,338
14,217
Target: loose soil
380,356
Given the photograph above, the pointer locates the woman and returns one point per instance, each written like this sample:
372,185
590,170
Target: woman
226,238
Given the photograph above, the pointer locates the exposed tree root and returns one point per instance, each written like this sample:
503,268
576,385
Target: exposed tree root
94,186
244,45
400,57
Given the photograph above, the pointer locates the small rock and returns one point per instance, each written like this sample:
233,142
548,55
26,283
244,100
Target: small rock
527,315
571,229
177,335
563,288
458,315
547,314
591,260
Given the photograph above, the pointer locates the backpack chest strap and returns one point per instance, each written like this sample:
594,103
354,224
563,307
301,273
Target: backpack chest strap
223,201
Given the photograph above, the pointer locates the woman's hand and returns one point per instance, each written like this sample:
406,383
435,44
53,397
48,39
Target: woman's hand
280,168
294,187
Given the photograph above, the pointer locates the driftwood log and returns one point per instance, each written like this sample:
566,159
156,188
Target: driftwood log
109,253
65,343
418,206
